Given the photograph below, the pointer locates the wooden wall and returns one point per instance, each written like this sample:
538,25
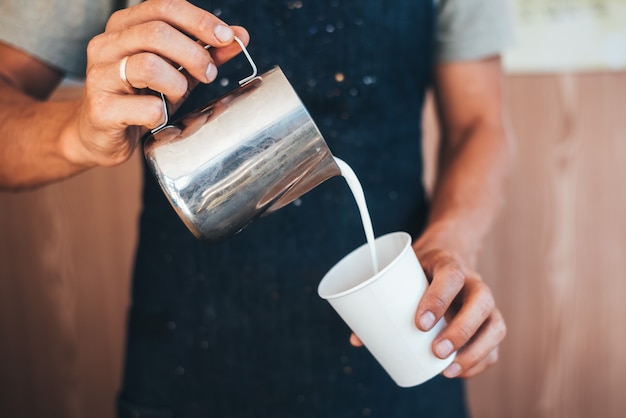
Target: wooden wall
65,262
557,256
555,261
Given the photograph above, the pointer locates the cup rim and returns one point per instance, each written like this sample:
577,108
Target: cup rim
406,246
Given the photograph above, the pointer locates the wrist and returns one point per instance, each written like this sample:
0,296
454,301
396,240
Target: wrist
451,236
70,145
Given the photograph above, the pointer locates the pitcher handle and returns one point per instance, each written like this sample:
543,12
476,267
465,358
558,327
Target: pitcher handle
241,83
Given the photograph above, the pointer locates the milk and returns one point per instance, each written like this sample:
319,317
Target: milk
355,186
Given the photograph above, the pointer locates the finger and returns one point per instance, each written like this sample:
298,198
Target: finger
223,54
152,72
186,17
159,39
479,353
484,364
477,307
447,281
151,113
138,72
116,112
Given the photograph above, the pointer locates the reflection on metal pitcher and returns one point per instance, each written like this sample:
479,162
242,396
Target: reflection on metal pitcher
240,157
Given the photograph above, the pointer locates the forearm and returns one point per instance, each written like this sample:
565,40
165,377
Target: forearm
32,138
473,157
468,190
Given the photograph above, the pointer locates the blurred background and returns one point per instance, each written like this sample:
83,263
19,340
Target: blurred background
555,259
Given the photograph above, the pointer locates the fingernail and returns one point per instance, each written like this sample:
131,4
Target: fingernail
211,72
453,370
444,348
427,320
223,33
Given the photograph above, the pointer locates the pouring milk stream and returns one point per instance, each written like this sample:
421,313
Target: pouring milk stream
357,190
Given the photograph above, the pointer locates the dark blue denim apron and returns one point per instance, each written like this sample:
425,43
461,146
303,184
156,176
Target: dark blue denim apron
237,329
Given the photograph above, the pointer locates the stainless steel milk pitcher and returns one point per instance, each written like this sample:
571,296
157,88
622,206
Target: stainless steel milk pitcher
242,156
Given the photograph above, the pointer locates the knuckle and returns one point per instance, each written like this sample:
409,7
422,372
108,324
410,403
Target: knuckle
154,112
182,88
455,275
92,45
157,30
147,66
204,21
486,303
95,44
100,104
94,74
115,16
451,268
473,359
438,304
465,333
452,263
477,362
97,113
200,57
444,255
177,91
445,264
166,6
500,329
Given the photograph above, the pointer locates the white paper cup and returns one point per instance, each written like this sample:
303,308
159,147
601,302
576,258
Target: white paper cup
380,309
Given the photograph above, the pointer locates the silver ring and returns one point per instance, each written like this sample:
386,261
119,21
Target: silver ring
123,73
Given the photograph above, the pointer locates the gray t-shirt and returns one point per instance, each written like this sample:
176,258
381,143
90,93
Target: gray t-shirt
55,31
472,29
58,31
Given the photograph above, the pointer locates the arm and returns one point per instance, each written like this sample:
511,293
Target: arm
473,161
29,150
42,142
